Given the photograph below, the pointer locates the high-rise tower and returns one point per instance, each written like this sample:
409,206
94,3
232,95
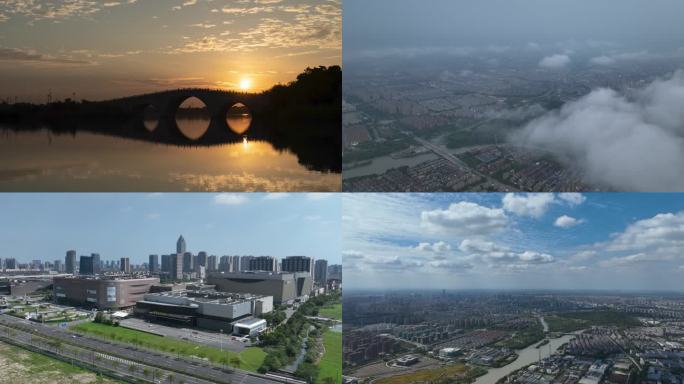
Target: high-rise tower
180,245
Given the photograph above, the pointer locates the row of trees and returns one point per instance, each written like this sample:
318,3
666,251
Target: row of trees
284,343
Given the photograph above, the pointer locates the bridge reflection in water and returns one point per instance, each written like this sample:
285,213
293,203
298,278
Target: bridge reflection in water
149,151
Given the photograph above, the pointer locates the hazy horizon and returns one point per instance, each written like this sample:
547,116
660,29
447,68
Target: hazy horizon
387,27
135,225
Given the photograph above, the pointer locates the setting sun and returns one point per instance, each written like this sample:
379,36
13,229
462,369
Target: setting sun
245,84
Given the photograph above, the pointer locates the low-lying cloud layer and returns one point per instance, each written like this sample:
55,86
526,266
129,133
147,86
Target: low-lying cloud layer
626,142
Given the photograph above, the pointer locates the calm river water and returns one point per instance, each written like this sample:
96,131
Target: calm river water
41,160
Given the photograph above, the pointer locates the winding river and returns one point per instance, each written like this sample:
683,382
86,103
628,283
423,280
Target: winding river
526,356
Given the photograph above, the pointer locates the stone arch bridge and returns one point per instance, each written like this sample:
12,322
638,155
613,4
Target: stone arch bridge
166,104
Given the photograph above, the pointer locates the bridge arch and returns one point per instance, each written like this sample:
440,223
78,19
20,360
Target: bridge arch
151,116
192,117
238,118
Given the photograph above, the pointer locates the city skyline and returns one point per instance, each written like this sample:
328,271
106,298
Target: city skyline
138,225
595,241
101,50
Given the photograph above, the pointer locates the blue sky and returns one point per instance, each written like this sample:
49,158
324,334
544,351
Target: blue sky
626,241
45,226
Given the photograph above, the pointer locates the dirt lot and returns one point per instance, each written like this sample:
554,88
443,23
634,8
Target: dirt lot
18,366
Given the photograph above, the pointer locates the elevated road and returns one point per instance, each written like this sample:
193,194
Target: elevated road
198,371
443,153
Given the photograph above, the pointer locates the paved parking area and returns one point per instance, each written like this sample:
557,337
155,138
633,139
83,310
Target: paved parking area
213,339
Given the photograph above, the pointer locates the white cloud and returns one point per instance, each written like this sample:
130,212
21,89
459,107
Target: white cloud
526,257
618,142
661,233
451,265
478,246
572,198
565,221
555,61
584,255
438,247
231,198
465,218
531,204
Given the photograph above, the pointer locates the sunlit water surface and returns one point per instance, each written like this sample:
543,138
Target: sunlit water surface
43,161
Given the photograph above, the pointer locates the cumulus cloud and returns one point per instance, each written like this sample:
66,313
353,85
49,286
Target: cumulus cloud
572,198
438,247
555,61
662,232
531,204
633,143
567,221
465,218
656,239
526,257
497,255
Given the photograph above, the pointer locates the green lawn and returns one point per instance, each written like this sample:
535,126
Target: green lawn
333,311
250,359
331,363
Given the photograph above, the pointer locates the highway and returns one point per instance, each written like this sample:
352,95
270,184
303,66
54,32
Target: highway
197,371
443,153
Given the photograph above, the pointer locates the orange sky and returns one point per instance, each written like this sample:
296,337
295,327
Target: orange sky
105,49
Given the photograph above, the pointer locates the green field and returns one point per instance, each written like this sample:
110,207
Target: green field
18,366
250,359
333,311
331,363
523,338
573,321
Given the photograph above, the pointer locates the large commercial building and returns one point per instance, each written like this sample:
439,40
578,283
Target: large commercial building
321,272
102,292
264,263
70,262
23,285
298,264
205,308
284,287
153,264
